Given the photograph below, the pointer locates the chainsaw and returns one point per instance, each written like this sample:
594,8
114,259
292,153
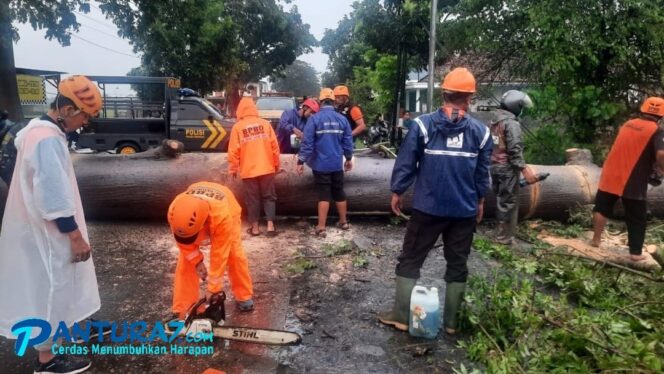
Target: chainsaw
211,320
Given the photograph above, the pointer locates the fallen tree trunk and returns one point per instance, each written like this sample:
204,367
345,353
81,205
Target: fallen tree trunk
140,187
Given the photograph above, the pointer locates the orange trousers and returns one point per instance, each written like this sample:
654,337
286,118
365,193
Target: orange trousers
226,252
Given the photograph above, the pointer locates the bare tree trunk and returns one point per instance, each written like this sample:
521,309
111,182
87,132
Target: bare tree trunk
141,186
9,99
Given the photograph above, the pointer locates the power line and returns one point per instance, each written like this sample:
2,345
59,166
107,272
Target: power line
101,31
101,46
95,20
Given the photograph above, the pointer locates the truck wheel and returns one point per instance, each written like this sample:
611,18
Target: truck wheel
127,149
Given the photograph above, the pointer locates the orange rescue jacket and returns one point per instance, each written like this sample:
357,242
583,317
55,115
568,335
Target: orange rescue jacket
633,138
222,228
253,149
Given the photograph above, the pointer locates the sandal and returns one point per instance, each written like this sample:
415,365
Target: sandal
320,233
343,225
252,233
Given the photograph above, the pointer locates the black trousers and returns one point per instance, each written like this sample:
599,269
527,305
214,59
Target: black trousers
421,234
636,212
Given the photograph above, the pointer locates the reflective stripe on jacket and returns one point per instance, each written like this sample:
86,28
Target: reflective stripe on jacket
327,140
449,162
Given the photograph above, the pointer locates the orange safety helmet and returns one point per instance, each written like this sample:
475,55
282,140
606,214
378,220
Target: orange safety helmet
311,103
459,80
82,92
186,216
326,94
653,105
341,90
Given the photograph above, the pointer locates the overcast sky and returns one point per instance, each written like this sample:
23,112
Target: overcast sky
97,50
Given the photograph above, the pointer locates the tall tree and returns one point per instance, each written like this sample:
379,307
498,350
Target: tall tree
58,20
194,40
299,78
210,43
365,46
587,58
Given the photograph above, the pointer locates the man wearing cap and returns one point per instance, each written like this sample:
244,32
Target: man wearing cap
293,122
447,154
46,267
208,210
327,142
352,112
636,159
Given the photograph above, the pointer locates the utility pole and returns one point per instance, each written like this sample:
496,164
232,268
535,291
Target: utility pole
432,53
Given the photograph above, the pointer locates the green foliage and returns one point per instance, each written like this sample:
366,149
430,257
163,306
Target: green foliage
655,232
372,86
363,49
549,313
57,19
209,43
299,78
546,145
581,215
497,251
339,248
530,229
360,261
300,265
585,110
584,56
396,221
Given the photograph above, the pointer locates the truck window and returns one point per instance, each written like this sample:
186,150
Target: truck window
192,111
267,103
131,108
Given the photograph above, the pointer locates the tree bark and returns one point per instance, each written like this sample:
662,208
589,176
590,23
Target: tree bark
577,156
140,187
9,99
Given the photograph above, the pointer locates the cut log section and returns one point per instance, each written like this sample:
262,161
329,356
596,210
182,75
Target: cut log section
142,185
612,254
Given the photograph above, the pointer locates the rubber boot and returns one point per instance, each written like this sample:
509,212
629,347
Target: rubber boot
453,298
398,316
504,234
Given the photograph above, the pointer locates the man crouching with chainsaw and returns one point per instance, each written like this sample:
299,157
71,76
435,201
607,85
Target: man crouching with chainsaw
208,210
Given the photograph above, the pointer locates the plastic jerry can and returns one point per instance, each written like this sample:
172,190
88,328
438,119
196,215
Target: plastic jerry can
294,141
424,319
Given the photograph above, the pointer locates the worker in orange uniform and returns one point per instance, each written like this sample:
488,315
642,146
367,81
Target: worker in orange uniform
635,160
208,210
352,112
254,151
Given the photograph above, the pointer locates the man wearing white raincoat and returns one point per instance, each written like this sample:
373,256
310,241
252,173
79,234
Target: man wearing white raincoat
46,270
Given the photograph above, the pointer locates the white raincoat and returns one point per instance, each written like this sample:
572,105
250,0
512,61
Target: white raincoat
37,276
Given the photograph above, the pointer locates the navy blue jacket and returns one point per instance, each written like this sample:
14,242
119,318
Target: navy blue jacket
327,140
450,161
290,119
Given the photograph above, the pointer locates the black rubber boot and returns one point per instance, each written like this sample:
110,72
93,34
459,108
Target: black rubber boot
398,316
